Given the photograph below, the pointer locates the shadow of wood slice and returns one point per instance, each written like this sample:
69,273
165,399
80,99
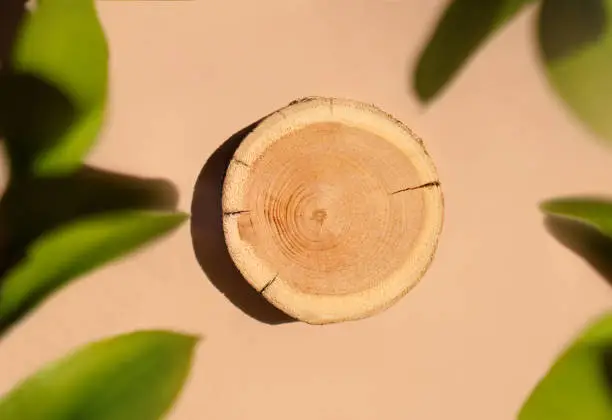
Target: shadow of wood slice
331,209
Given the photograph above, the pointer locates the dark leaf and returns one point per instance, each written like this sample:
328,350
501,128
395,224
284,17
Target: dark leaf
576,45
466,24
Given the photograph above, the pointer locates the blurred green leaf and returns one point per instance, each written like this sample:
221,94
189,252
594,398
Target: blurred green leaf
592,211
576,46
466,24
130,377
61,54
578,386
74,249
31,207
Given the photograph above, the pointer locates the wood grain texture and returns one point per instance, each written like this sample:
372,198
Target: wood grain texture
332,209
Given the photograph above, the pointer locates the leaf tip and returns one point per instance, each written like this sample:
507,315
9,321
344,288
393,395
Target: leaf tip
187,338
183,343
547,206
422,83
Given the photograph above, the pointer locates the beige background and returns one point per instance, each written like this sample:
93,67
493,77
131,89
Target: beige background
469,342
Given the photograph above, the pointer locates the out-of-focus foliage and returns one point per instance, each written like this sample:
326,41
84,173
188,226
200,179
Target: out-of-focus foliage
575,41
135,376
60,220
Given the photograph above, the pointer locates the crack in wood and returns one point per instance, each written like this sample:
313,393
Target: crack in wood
418,187
268,284
234,213
241,162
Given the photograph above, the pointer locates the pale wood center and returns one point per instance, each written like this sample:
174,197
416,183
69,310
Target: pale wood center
322,209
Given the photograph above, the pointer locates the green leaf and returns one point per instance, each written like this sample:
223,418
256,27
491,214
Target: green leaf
579,385
74,249
595,212
466,24
31,207
576,46
62,51
135,376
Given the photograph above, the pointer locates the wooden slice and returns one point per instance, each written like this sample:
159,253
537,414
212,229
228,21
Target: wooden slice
332,209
